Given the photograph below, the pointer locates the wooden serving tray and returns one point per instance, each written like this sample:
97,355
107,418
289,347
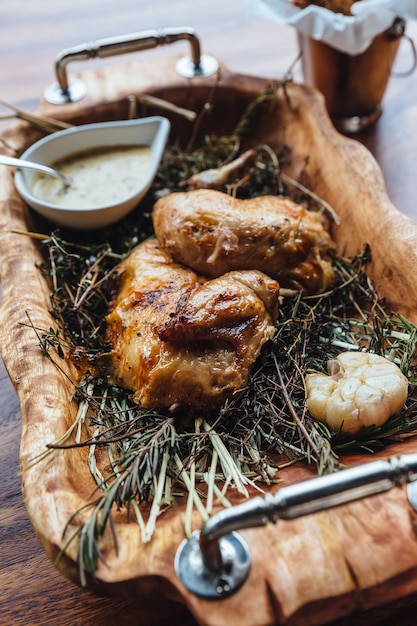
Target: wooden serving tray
311,570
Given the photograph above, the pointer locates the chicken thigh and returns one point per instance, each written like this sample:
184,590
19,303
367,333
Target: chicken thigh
179,340
213,233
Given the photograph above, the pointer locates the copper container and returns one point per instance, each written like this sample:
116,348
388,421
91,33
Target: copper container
353,86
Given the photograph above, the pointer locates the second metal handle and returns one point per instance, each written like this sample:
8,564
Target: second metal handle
66,91
215,561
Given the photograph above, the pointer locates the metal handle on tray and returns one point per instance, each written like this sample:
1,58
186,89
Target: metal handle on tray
214,562
71,91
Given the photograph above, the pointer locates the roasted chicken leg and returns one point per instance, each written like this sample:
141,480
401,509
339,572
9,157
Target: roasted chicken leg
179,340
213,233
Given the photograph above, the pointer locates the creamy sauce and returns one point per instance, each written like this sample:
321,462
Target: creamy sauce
99,177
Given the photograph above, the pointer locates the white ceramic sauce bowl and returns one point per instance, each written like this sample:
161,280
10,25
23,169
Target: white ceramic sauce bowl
150,131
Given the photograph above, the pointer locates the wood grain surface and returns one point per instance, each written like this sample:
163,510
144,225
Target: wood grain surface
32,592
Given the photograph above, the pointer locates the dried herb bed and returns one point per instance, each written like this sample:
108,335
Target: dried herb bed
155,458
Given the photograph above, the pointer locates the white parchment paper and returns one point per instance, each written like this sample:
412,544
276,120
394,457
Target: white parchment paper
349,33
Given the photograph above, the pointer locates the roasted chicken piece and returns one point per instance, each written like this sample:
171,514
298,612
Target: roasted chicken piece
179,340
214,233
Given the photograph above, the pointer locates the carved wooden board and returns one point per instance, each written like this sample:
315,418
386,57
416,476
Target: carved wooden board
308,571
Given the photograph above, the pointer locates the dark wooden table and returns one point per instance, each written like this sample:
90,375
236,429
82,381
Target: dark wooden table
32,592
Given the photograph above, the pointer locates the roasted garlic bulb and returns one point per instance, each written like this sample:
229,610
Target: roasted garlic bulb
362,389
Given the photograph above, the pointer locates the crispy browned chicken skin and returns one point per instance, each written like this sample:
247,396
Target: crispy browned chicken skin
180,340
214,233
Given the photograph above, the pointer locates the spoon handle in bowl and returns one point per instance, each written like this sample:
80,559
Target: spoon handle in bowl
20,163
